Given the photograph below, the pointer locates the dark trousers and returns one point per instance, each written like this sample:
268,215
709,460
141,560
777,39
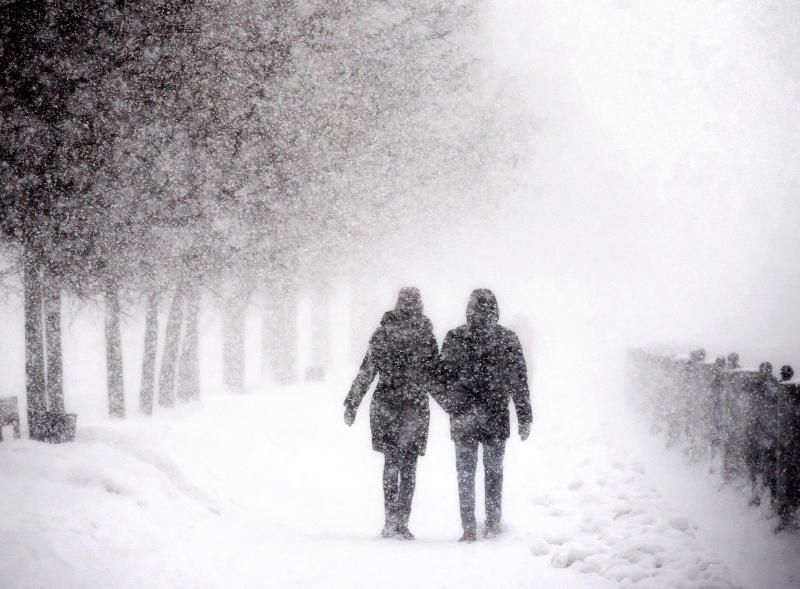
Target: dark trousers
466,463
399,478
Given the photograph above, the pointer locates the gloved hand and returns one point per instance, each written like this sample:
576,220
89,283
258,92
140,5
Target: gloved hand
349,415
524,431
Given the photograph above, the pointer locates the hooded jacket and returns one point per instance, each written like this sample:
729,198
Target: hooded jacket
403,352
482,368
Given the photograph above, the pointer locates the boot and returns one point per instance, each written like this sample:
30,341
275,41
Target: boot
402,517
404,533
390,527
492,530
469,535
389,530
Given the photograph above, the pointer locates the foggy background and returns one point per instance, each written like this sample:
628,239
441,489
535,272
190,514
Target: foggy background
646,195
656,202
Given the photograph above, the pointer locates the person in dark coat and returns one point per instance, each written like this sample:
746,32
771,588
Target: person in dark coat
481,368
404,353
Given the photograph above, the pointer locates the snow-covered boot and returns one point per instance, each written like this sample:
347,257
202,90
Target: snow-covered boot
404,533
470,535
392,523
389,528
492,530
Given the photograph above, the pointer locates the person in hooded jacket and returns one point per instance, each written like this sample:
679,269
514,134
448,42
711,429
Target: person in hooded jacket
482,367
404,353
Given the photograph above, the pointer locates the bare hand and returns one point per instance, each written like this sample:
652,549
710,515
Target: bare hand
349,416
524,431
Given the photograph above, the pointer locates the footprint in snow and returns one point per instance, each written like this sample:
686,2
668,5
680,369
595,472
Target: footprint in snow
575,485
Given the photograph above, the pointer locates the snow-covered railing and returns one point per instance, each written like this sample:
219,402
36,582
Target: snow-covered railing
746,420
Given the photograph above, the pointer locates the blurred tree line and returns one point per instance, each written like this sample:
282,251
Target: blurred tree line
155,152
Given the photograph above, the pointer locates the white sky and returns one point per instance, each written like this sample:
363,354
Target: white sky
660,194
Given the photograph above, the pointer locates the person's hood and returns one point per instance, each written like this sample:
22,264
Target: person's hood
408,307
482,302
409,299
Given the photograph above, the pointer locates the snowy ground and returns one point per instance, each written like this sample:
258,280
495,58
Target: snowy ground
291,497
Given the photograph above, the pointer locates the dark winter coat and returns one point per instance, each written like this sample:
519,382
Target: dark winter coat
481,368
403,352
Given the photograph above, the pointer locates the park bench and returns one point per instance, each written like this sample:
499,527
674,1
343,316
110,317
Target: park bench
9,415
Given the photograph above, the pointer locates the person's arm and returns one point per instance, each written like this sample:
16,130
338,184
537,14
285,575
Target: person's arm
447,374
430,364
520,394
366,374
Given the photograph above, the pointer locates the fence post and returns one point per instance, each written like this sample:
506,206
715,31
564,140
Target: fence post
788,448
736,418
763,434
700,376
675,397
714,423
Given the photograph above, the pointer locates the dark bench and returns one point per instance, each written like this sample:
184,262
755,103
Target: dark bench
9,415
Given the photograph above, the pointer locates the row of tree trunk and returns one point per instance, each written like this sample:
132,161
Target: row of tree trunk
177,377
43,359
179,369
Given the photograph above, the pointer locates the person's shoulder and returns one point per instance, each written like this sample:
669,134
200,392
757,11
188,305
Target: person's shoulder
457,332
401,319
380,331
391,316
507,334
506,331
428,327
425,321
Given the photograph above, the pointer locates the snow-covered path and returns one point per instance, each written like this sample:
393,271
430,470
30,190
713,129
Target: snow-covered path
291,497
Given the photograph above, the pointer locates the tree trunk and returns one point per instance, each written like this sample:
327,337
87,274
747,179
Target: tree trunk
115,386
267,337
320,334
55,370
189,362
34,345
169,357
360,316
284,353
149,358
233,346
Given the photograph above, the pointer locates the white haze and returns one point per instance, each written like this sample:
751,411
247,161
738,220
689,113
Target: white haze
657,202
654,203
